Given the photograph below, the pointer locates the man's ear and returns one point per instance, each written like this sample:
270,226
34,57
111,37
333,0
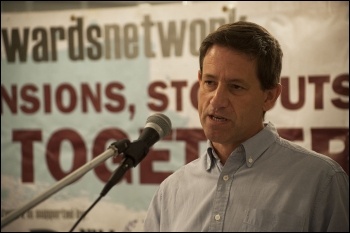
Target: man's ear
199,75
271,96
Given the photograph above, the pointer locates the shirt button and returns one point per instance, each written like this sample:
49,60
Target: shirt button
250,160
225,178
217,217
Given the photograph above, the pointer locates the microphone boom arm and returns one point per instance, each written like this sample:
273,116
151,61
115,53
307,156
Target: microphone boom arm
116,147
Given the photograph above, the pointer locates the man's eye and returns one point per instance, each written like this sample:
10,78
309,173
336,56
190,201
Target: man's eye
209,83
236,87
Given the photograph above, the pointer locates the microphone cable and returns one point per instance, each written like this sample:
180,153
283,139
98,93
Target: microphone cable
85,213
157,126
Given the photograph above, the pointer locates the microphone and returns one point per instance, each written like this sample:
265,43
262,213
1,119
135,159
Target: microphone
157,126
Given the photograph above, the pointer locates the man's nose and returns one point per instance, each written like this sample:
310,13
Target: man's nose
220,98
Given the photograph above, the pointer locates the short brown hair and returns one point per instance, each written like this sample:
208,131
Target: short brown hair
251,39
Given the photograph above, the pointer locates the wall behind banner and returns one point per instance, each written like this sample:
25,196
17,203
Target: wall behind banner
76,80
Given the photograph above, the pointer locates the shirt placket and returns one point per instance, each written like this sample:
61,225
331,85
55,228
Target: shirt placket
223,191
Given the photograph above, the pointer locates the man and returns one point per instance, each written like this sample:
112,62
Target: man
249,179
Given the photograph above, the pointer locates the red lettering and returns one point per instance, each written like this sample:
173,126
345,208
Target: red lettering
11,101
341,87
163,99
47,98
319,83
147,173
54,147
27,96
321,142
110,93
291,134
88,95
72,98
192,138
285,95
65,96
26,138
178,96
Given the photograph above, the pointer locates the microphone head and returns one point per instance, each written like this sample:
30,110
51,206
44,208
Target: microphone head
160,123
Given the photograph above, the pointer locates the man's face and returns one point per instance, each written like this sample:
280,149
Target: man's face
230,99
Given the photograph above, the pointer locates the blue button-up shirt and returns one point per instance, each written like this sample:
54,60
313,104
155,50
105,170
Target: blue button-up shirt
266,184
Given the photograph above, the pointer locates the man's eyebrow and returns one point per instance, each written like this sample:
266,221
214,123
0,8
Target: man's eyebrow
209,76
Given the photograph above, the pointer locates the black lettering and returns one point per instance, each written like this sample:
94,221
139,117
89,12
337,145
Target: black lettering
54,31
72,47
170,39
40,50
16,45
93,41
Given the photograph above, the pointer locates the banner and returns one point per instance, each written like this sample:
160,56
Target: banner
75,81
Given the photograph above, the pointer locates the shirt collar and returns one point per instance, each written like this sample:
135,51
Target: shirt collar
211,158
254,147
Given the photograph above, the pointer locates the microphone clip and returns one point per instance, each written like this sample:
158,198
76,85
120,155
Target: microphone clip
120,146
136,151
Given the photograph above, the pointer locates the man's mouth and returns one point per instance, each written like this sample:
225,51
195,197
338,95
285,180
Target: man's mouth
217,118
